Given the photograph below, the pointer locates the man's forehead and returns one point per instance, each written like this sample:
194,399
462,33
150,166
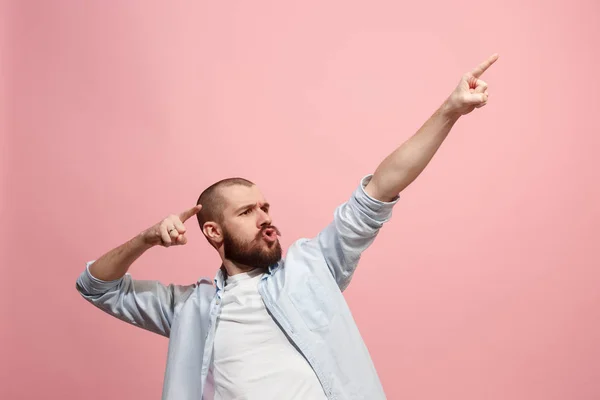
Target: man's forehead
237,196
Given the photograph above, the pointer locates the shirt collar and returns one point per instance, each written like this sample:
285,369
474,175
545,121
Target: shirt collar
221,276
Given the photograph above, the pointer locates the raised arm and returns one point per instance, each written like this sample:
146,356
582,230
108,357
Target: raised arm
405,164
147,304
357,222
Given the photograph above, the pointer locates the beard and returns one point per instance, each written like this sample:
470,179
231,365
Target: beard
255,253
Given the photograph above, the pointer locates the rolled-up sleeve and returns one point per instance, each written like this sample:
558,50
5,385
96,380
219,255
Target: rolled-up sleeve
147,304
89,285
355,225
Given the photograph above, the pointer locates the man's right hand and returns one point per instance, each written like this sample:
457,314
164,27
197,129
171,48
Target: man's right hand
170,231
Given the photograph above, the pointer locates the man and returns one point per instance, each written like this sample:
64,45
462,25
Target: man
270,328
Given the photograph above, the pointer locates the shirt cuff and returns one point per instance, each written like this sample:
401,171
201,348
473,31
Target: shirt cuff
378,210
93,285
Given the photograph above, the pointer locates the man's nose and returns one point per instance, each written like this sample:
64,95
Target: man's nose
264,219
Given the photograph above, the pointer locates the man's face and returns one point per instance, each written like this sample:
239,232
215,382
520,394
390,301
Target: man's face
249,238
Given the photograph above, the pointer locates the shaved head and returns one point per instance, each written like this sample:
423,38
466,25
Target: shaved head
213,202
235,220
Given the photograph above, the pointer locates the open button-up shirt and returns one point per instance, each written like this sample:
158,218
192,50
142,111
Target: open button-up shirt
302,292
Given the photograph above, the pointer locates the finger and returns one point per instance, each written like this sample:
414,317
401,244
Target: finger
481,68
485,102
173,233
475,98
184,216
164,235
475,83
480,86
178,225
182,239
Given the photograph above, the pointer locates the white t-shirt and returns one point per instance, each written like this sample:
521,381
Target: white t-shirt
253,358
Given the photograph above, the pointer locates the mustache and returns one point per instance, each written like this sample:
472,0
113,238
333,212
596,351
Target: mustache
264,228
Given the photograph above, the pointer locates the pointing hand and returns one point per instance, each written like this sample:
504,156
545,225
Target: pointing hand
170,231
471,92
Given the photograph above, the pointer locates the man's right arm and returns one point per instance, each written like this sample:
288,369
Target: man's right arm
115,264
147,304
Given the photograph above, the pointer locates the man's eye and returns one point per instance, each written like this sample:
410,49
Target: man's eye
248,211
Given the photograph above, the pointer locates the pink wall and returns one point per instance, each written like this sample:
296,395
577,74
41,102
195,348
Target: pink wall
485,285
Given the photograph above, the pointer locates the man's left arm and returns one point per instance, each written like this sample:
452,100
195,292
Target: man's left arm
357,222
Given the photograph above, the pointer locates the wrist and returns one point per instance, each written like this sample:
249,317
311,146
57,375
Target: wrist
141,243
449,111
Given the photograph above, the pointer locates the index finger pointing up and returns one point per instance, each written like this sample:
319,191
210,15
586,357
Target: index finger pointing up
481,68
184,216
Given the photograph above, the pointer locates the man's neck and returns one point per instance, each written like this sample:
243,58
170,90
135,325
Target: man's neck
234,268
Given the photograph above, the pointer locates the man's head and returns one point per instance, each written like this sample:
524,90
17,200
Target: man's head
235,220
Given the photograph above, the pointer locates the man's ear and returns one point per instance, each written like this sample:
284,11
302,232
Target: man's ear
213,232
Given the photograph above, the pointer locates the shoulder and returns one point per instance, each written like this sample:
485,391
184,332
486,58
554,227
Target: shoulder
203,289
302,247
303,254
204,285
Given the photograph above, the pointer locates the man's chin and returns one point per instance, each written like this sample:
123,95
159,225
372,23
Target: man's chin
270,243
271,249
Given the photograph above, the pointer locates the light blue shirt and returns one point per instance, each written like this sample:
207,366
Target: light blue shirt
303,293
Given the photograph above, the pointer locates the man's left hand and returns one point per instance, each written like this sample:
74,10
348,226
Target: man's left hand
471,92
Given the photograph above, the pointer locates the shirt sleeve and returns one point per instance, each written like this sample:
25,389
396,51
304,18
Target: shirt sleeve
147,304
355,225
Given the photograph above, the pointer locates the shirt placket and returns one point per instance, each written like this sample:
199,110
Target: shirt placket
293,335
210,336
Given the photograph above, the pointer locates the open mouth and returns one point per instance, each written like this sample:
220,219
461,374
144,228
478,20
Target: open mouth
270,234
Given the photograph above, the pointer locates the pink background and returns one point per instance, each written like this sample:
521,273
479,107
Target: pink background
485,284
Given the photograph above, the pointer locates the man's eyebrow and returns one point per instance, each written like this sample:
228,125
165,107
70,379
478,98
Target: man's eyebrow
244,207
